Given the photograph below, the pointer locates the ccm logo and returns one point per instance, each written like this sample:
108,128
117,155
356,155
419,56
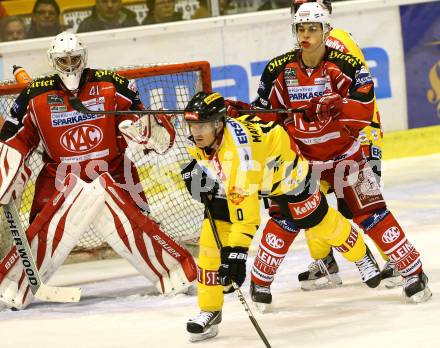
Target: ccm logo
274,241
390,235
81,138
301,210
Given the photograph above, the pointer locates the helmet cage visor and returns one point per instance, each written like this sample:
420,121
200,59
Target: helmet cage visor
69,62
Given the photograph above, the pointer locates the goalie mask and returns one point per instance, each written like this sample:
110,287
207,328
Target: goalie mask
205,115
68,57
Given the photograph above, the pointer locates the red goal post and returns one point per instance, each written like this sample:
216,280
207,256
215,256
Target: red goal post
167,86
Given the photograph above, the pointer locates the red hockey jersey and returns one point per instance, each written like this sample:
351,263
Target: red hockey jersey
340,73
42,113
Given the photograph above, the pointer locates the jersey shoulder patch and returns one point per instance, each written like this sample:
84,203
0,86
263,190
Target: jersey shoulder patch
108,76
343,60
41,85
277,64
271,72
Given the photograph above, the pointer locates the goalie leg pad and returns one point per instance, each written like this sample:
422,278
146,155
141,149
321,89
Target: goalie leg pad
12,176
142,243
52,235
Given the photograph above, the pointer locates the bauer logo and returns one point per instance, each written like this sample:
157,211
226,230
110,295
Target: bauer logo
81,138
274,241
391,235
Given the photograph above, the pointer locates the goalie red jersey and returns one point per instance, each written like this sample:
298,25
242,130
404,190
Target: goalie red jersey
42,112
338,73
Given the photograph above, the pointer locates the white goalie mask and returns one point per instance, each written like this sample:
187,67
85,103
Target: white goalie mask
68,57
312,12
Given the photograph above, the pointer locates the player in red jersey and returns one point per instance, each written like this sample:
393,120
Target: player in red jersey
86,178
337,92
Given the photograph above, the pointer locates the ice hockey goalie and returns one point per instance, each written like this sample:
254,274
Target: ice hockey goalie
86,178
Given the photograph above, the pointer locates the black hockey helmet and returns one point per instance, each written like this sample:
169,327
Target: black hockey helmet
327,4
205,107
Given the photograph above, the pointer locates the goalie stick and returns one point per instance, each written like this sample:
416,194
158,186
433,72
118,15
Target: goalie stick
234,284
80,107
40,290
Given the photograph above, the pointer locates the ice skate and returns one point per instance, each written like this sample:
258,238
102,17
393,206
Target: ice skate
391,277
261,297
322,274
415,288
369,270
204,326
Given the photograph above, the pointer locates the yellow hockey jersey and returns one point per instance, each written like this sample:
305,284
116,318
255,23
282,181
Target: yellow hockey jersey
254,158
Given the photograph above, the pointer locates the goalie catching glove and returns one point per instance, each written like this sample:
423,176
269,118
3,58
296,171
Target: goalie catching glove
324,108
151,132
233,267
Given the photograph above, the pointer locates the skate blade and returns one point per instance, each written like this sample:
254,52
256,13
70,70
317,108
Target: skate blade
210,333
262,307
421,296
331,282
393,282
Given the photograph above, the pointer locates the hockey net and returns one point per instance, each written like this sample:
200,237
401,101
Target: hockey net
163,86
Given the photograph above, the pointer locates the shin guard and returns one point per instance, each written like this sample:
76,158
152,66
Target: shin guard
277,237
386,232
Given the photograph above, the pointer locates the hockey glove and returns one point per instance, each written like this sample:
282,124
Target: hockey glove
324,108
233,266
198,182
233,106
150,132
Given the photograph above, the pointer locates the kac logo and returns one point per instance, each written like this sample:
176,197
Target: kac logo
391,235
81,138
274,241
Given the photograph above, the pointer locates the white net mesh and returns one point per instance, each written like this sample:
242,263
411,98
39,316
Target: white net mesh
167,87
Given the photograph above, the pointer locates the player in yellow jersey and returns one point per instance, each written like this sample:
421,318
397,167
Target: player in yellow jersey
235,162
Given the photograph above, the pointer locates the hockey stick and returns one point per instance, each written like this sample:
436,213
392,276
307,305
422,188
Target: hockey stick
234,284
40,290
76,104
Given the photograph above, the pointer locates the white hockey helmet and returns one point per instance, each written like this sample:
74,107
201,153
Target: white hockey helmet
68,57
312,12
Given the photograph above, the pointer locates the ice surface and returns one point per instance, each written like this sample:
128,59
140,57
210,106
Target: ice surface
121,309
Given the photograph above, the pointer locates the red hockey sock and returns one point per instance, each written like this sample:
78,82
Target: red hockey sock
277,237
386,232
